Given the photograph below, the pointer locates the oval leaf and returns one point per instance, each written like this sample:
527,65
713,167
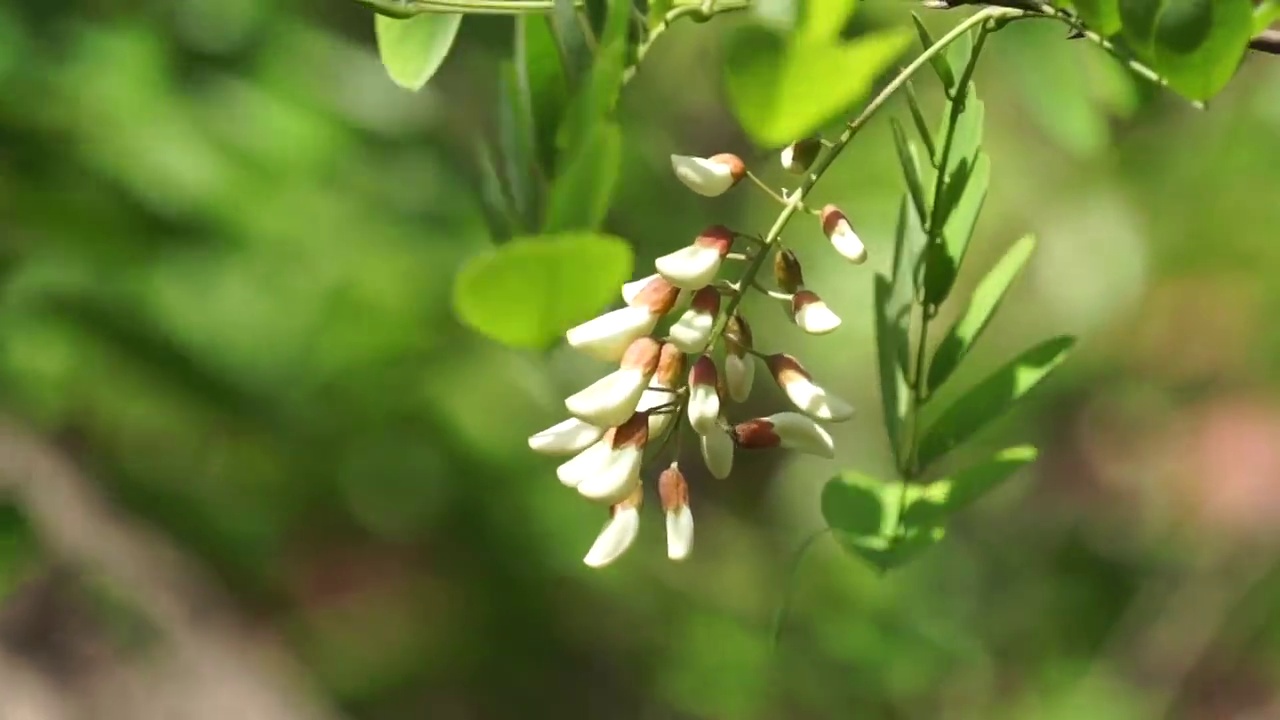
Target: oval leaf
933,504
528,292
414,48
1194,44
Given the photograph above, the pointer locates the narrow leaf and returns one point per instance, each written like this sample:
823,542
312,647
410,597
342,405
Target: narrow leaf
908,253
910,162
864,513
941,65
932,505
922,125
580,195
413,49
962,213
1265,14
596,98
891,347
982,307
516,137
575,52
543,83
991,398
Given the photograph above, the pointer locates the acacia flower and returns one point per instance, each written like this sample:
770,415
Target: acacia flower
610,400
704,396
711,176
739,364
692,331
674,492
566,438
660,392
607,337
631,289
619,533
717,452
846,242
811,314
788,430
695,266
610,469
799,387
799,155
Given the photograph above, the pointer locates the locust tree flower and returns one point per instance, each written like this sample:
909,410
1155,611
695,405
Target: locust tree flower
619,533
631,289
610,469
838,230
799,155
806,395
674,492
695,266
739,363
704,396
787,272
607,337
709,176
610,400
717,452
566,438
788,430
692,331
662,388
812,315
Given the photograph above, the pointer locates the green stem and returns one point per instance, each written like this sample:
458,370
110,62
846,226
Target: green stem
408,8
674,14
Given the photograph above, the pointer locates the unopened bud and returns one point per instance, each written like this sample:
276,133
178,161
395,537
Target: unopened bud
694,266
786,430
812,315
692,331
704,396
841,234
799,155
806,395
786,271
674,492
711,176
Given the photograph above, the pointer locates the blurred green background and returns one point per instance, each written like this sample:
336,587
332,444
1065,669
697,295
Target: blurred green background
227,243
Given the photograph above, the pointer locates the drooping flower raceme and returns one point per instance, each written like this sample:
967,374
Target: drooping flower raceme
619,424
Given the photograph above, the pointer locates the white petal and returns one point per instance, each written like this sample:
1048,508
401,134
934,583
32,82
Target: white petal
717,453
609,401
816,318
615,478
658,422
739,372
691,267
584,465
615,538
816,402
704,409
679,533
691,332
606,337
703,176
567,438
797,432
847,243
633,288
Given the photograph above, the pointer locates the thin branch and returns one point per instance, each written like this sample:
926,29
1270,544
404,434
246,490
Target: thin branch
1267,41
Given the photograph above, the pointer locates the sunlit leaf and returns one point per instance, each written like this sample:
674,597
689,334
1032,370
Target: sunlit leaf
528,292
982,306
863,514
413,49
824,19
932,504
992,397
1101,16
579,198
910,161
922,125
891,347
941,65
1265,14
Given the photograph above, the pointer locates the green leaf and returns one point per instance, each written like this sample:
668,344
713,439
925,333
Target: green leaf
413,49
892,347
1101,16
541,76
516,135
941,65
528,292
971,184
991,398
780,92
910,241
931,505
922,125
580,194
571,38
864,513
1196,45
596,99
658,10
982,306
825,19
1265,14
910,161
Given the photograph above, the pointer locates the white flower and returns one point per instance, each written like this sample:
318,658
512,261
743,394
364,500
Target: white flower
694,266
610,400
846,242
739,373
812,315
787,430
667,378
566,438
607,337
799,387
692,331
717,453
674,492
609,470
704,396
619,533
709,176
631,290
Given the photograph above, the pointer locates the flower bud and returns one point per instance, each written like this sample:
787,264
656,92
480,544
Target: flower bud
567,438
812,315
607,337
704,396
786,271
692,331
739,364
717,452
799,155
841,234
674,492
787,430
619,533
668,377
695,266
610,400
799,387
609,470
711,176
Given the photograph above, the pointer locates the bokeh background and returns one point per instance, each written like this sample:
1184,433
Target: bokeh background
252,467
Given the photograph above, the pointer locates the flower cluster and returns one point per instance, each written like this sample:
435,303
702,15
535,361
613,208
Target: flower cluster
683,349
